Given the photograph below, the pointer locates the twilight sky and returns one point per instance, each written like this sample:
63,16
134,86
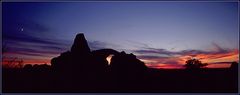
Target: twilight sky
162,34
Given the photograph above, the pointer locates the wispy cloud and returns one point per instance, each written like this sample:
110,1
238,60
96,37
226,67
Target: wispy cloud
27,46
35,26
153,56
95,45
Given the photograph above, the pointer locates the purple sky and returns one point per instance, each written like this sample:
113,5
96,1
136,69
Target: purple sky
44,30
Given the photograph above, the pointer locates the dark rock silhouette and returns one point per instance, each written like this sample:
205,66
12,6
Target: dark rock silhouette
79,59
100,57
126,65
104,53
80,45
80,65
82,59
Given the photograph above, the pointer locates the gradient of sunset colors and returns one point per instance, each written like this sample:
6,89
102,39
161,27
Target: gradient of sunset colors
162,34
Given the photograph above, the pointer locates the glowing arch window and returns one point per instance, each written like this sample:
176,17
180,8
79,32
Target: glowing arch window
109,59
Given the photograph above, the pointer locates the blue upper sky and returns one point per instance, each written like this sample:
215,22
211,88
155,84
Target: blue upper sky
174,26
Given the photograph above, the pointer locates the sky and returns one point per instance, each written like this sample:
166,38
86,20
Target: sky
161,34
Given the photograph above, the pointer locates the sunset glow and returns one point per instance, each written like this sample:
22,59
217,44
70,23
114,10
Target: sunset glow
161,34
218,60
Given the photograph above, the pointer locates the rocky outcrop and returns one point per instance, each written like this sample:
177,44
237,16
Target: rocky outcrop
80,45
80,66
127,66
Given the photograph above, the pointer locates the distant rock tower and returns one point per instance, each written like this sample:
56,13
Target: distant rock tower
78,59
80,45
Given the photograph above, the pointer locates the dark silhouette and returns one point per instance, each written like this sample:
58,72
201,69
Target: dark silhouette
83,70
234,65
81,65
80,45
126,65
194,64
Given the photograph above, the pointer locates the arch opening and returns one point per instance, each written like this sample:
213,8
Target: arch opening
109,58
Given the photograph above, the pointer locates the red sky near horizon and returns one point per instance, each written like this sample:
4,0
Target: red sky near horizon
220,60
162,34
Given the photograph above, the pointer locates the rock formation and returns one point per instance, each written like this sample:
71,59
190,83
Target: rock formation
80,66
80,45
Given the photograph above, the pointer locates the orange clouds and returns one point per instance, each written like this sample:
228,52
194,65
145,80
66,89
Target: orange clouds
164,66
219,65
215,59
229,56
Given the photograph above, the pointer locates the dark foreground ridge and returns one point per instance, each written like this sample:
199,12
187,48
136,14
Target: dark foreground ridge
83,70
